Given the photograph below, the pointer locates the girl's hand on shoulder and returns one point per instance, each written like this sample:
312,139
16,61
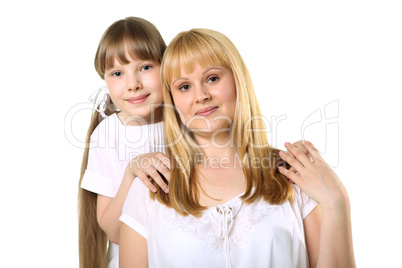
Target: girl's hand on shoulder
314,176
303,148
151,166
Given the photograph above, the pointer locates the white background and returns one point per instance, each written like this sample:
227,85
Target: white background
303,56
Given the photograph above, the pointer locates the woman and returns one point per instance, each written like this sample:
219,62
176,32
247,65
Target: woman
227,204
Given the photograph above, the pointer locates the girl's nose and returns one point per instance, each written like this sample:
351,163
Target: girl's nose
134,83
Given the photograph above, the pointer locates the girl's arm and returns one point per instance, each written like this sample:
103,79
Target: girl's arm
328,227
109,209
133,251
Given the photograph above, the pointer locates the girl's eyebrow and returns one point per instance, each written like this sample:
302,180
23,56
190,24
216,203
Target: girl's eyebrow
113,67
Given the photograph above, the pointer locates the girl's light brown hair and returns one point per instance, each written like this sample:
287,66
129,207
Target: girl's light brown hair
211,48
139,39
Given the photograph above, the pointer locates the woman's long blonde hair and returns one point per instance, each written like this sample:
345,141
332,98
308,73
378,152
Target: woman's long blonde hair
211,48
141,40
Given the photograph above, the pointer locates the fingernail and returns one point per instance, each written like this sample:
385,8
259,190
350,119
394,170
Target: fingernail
287,144
281,154
166,190
154,190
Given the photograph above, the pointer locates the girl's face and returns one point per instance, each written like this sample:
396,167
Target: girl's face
205,98
135,88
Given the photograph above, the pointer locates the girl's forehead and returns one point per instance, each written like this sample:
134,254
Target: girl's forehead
125,53
124,58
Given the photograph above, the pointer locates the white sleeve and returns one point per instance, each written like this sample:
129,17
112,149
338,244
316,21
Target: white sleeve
306,203
99,177
137,208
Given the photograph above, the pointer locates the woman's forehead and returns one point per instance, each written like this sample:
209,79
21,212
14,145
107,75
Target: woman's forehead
184,67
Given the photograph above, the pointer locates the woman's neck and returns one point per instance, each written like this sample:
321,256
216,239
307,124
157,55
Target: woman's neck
216,144
218,172
219,176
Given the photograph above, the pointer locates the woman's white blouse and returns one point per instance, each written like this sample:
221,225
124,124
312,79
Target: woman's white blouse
235,234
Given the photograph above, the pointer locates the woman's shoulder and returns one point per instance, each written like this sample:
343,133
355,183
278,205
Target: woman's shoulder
302,201
138,196
137,207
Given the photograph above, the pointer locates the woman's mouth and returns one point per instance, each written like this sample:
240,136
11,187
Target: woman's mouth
206,111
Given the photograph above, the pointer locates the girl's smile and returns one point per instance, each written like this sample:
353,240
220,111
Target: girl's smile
138,100
135,89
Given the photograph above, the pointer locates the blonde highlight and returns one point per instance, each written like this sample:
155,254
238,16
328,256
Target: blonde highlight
210,48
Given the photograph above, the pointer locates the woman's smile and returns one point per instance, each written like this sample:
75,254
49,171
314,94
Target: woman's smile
206,98
207,111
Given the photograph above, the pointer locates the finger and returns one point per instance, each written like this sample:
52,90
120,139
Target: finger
292,177
299,155
282,163
314,153
154,174
161,163
291,160
301,146
164,170
144,178
164,159
290,153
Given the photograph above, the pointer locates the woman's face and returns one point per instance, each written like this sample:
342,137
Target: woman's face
205,98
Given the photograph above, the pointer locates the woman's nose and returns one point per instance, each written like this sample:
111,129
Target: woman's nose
202,94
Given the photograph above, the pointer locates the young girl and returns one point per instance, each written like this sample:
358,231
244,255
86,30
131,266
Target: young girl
228,206
128,59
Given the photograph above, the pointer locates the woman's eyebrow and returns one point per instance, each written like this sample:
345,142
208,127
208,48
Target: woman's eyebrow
211,68
204,72
177,79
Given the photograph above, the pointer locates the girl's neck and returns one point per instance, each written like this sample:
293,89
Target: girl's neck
155,117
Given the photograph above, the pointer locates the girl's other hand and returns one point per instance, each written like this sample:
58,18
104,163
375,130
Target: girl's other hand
314,176
303,148
151,166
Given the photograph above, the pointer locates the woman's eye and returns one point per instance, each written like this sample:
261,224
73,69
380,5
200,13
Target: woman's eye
184,87
213,79
117,74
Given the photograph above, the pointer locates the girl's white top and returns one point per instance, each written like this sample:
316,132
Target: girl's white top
112,146
235,234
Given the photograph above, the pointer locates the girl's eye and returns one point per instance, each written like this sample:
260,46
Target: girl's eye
117,74
213,79
146,67
184,87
